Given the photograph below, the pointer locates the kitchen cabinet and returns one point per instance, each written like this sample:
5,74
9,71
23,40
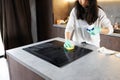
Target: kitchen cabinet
58,31
93,66
20,72
110,41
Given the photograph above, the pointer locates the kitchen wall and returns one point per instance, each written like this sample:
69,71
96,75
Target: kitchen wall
112,10
60,9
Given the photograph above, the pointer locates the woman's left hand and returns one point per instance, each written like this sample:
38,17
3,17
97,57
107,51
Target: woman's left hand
94,30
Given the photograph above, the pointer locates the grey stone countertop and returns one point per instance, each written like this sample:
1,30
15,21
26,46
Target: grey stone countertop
93,66
115,34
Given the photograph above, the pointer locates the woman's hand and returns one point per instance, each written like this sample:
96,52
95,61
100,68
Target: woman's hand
104,30
94,30
68,45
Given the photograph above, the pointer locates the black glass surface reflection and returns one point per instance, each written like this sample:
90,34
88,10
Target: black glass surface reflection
55,53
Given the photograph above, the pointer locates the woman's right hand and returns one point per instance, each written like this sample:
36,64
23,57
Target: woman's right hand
68,45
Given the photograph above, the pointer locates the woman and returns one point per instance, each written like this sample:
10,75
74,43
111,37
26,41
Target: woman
86,22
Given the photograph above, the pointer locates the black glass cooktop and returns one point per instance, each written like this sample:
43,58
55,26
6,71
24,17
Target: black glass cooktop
55,53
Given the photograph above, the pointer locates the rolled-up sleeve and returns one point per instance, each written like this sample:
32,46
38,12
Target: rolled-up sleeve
105,22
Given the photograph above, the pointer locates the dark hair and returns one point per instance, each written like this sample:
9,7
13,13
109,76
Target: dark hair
89,14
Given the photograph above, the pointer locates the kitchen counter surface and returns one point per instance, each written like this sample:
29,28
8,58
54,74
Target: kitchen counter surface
93,66
115,34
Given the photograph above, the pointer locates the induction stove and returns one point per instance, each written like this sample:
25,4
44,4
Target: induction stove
54,53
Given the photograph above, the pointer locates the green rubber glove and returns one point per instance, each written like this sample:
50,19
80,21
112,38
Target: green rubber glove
94,30
68,45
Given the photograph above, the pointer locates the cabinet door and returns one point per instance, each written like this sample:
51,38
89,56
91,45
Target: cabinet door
110,42
57,32
20,72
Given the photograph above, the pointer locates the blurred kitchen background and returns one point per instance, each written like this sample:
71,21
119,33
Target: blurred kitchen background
111,7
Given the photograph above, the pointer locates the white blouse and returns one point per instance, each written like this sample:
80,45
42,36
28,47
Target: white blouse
78,27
